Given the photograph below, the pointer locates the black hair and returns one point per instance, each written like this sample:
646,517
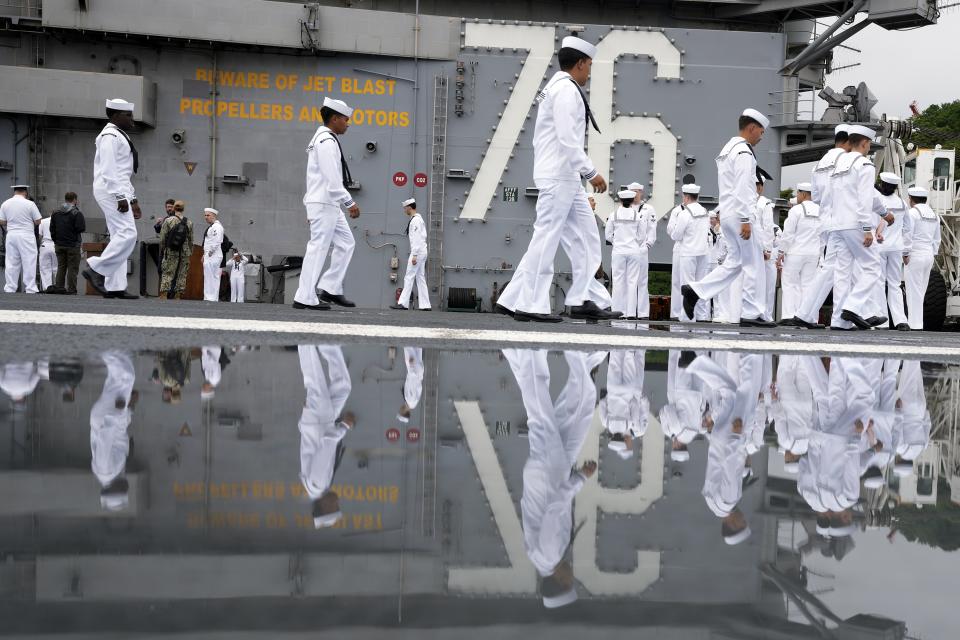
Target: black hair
856,138
170,201
568,57
69,196
326,113
693,196
745,121
113,112
841,137
886,188
413,205
919,199
626,202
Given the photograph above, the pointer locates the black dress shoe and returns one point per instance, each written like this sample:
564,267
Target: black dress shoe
903,326
832,328
800,322
756,322
850,316
315,307
96,280
338,300
399,307
876,321
499,308
690,300
590,311
523,316
121,295
788,322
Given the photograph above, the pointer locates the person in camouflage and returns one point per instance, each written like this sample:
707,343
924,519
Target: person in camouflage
175,264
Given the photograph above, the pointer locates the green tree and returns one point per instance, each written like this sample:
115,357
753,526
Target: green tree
939,124
935,526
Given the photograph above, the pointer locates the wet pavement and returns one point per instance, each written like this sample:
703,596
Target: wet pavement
383,488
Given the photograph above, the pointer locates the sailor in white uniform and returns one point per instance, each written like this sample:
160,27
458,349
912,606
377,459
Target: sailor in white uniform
560,164
557,432
417,262
895,244
814,294
632,233
792,410
47,256
800,249
924,246
413,384
19,379
327,180
212,255
113,167
737,179
238,280
212,370
766,227
323,425
110,419
684,417
914,435
624,410
689,228
20,217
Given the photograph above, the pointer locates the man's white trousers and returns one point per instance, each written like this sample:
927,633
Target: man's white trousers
415,273
112,263
631,297
21,256
743,256
211,276
799,272
328,225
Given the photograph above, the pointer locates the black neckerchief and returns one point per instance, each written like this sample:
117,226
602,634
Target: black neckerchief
586,105
406,231
133,149
345,170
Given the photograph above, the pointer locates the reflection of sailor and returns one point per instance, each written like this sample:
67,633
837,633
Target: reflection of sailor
556,434
624,410
682,418
914,434
792,410
19,379
321,432
210,363
413,385
110,418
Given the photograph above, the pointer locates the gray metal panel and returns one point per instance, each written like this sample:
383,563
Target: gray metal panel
76,94
262,22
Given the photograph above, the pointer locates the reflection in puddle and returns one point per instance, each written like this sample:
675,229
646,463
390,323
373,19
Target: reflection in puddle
535,479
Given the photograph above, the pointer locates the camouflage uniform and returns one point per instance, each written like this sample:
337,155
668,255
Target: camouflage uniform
171,258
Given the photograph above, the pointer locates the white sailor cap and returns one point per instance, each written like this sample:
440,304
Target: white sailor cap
621,449
402,418
738,537
805,186
211,210
207,395
678,455
918,192
714,213
626,194
338,105
114,501
760,119
327,520
560,600
873,482
842,532
581,45
22,187
889,178
635,186
692,189
119,104
841,128
793,468
409,202
860,130
903,469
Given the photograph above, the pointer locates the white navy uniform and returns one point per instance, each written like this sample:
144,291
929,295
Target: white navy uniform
682,417
737,181
413,384
320,431
793,412
914,435
557,432
113,168
109,438
689,228
19,379
210,364
212,257
563,212
417,232
21,216
48,255
801,247
897,242
325,196
632,232
238,279
765,226
625,409
924,246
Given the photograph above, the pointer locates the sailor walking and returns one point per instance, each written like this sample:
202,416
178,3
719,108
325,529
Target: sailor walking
689,228
115,163
925,244
212,255
737,179
212,370
632,233
895,246
624,410
47,256
417,262
110,419
800,249
413,384
327,178
238,281
20,218
560,163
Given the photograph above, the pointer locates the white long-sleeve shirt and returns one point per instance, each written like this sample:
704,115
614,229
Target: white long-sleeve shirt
417,232
689,227
113,164
237,267
764,220
631,231
213,239
325,171
558,136
925,239
320,432
820,176
20,214
718,248
801,231
851,193
45,238
737,179
898,236
210,363
413,385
